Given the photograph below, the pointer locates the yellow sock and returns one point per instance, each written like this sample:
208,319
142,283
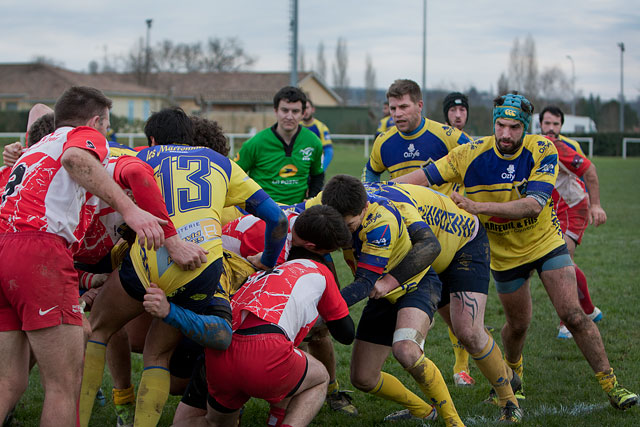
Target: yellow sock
462,357
153,392
607,380
333,386
518,367
490,363
123,396
430,380
91,378
390,388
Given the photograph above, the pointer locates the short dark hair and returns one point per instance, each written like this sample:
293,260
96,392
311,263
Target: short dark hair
346,194
79,104
207,133
556,111
323,226
40,128
169,126
402,87
290,94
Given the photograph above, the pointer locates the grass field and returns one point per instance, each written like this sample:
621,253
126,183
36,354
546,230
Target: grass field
561,390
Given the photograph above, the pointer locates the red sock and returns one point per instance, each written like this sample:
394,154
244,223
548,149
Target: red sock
276,416
583,292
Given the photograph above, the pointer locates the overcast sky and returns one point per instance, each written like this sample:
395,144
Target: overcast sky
468,42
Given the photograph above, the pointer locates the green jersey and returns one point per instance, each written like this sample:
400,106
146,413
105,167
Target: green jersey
282,169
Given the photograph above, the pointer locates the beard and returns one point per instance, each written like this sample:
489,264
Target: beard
512,147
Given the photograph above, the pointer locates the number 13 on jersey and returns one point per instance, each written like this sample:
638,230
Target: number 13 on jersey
184,183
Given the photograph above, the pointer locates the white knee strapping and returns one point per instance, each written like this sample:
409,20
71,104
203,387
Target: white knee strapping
408,334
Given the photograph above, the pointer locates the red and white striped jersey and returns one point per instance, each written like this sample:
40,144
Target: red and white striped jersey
244,236
41,196
290,296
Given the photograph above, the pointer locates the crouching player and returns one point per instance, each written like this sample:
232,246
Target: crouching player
187,176
390,255
272,313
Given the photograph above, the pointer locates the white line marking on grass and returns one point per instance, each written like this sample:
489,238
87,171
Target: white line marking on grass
575,410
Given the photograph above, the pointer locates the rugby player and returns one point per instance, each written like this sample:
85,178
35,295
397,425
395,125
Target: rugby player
575,207
508,178
391,265
321,130
414,141
40,217
187,176
455,108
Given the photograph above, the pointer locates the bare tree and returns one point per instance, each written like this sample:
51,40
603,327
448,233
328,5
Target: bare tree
165,57
191,56
523,67
340,78
503,84
226,55
321,64
554,84
41,59
370,83
93,67
134,62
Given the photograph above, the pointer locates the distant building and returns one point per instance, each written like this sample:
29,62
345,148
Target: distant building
239,101
23,85
572,124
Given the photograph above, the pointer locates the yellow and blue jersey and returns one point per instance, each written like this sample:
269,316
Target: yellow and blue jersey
196,183
453,227
489,176
384,125
117,150
381,242
400,153
321,130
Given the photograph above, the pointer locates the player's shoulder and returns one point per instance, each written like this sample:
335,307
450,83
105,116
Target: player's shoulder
388,135
539,145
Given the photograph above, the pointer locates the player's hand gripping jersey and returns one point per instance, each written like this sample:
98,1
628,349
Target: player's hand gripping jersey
290,296
488,176
137,180
381,243
197,183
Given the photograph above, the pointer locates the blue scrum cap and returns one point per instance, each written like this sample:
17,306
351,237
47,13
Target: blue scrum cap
511,108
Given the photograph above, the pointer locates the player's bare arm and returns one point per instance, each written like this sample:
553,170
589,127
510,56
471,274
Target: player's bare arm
597,215
424,250
527,207
417,177
84,168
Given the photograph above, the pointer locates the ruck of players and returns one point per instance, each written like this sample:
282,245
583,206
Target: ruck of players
221,272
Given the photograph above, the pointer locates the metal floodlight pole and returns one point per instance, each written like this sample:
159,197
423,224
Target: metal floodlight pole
294,43
621,46
424,57
573,85
147,62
